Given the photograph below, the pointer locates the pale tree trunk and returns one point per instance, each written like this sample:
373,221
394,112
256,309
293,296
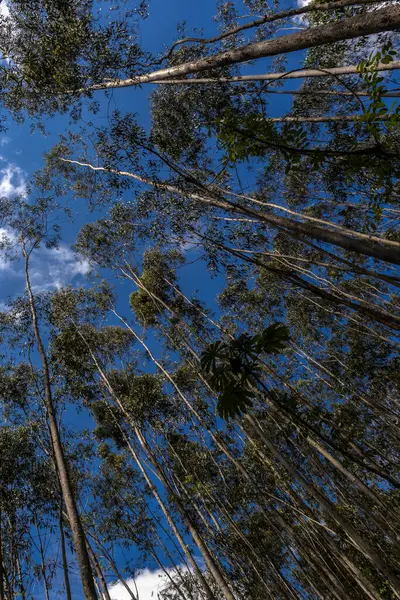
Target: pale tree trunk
172,524
353,479
323,119
176,587
277,574
347,239
356,459
300,74
344,564
364,308
21,586
330,92
385,19
150,484
58,453
369,245
298,423
178,572
286,415
325,542
222,448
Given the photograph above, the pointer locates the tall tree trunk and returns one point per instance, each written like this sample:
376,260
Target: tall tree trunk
58,453
364,308
114,567
172,524
301,74
64,555
352,478
268,18
385,19
21,586
171,579
150,484
323,119
311,92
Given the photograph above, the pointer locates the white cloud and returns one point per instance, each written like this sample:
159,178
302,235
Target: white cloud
55,268
148,583
4,10
12,181
50,269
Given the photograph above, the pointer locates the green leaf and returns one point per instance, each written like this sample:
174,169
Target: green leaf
234,401
210,356
273,339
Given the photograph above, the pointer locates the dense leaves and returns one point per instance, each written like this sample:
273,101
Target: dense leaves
234,367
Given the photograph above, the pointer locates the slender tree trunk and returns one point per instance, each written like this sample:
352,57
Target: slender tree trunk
21,586
385,19
299,423
43,564
365,585
364,308
114,567
300,74
98,571
347,239
323,119
311,92
58,452
172,524
152,487
171,579
64,555
352,478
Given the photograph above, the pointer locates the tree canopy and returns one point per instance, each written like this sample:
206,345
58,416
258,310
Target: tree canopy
213,393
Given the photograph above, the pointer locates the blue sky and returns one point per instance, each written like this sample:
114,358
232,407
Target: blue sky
21,154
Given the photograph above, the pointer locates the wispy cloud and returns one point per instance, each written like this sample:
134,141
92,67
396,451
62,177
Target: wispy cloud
55,268
12,181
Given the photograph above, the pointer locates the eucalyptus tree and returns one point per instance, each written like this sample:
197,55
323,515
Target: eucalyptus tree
56,49
152,283
27,227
